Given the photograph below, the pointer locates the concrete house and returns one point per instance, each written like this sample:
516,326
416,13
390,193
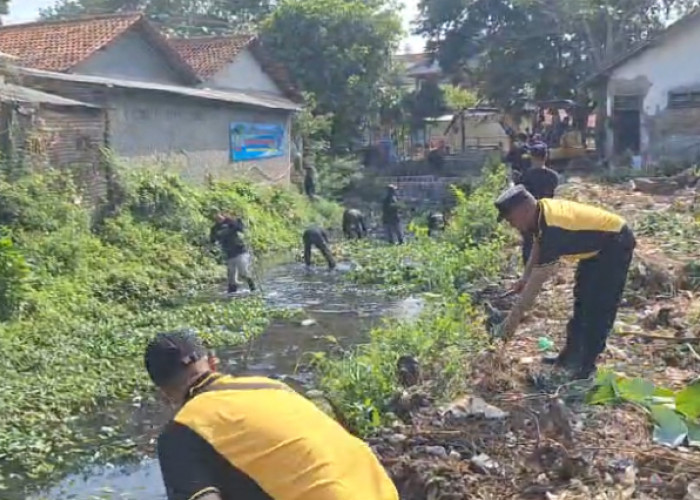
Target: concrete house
652,96
160,108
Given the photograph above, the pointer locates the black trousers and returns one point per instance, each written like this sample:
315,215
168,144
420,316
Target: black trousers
394,234
600,282
314,240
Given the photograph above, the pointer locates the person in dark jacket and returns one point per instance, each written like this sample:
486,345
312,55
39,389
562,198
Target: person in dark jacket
390,216
518,158
436,223
310,181
317,237
228,233
354,224
540,182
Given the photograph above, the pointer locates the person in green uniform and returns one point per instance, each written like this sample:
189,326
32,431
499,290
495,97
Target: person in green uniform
600,241
251,438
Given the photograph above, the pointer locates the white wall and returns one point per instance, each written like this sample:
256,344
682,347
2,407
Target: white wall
244,73
130,57
671,65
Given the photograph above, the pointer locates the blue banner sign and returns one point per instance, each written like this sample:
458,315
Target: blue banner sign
256,141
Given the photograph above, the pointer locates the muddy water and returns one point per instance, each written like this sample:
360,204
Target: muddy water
337,309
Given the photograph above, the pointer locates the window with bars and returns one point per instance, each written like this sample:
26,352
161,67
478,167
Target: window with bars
679,100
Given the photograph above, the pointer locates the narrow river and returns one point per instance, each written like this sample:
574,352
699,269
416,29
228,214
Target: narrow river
338,309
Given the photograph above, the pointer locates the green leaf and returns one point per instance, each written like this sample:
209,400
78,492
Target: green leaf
688,401
669,429
604,391
636,390
694,434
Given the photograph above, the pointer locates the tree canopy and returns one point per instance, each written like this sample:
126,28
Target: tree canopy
339,50
538,49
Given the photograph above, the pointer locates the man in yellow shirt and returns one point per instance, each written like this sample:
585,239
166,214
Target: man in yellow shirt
252,438
601,243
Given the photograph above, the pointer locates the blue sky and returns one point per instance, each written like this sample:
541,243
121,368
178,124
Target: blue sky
28,10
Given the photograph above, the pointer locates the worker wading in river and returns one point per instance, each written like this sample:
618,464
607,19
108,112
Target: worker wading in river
436,223
541,182
603,245
228,233
354,224
391,217
317,237
251,438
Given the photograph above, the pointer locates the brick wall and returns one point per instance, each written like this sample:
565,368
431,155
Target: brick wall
674,134
67,138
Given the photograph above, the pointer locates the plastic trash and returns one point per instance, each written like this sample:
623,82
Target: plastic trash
545,344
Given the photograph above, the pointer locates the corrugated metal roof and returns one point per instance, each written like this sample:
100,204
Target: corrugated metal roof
257,99
14,93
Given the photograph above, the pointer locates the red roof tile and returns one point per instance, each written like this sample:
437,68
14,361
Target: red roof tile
208,55
61,45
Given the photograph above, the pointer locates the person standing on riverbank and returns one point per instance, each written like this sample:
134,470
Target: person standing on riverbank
251,438
541,182
603,245
310,181
391,217
228,233
317,237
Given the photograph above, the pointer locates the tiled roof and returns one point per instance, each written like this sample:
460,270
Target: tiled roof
257,99
61,45
208,55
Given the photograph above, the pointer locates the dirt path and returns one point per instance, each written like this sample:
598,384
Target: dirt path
551,445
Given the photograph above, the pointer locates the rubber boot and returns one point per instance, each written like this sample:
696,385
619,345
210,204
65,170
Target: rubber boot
251,285
232,288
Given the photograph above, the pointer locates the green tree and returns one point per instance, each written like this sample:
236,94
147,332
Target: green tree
458,98
339,51
538,49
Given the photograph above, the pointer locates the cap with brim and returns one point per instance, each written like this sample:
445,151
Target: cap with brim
511,198
169,354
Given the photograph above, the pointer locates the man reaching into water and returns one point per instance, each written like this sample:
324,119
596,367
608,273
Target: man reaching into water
252,438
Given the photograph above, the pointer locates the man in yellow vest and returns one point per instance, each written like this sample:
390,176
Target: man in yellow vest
601,243
252,438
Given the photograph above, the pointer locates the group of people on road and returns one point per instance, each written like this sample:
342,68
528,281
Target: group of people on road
255,438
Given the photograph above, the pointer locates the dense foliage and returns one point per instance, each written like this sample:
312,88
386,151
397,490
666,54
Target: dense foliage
81,294
337,50
538,49
363,381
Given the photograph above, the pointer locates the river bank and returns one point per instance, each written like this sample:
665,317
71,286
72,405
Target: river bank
478,421
83,291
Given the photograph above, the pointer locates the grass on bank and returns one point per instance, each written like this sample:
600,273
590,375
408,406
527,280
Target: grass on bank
363,381
82,291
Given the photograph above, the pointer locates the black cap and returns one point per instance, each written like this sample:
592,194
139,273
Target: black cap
510,199
168,354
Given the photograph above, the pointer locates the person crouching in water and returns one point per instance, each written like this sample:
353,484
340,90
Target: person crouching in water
354,224
317,237
390,216
541,182
228,233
